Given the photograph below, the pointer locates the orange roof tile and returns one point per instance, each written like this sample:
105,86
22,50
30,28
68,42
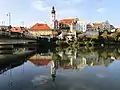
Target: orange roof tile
40,26
16,29
68,21
40,62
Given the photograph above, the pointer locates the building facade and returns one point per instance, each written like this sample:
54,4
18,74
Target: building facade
70,22
75,24
99,26
41,29
81,26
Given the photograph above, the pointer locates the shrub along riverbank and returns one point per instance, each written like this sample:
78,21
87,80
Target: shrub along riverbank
88,42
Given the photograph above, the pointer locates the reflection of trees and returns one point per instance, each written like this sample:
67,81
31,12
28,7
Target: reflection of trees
84,56
61,61
10,63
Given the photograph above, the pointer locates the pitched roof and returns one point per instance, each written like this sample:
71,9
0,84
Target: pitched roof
16,29
96,25
89,26
118,29
68,21
40,26
40,62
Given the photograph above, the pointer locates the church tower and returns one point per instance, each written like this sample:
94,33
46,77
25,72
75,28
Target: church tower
53,17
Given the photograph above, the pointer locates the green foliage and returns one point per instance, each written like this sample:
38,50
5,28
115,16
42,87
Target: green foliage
78,32
65,27
104,35
94,37
53,30
119,39
54,56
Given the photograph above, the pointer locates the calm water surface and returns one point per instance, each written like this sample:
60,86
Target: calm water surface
69,69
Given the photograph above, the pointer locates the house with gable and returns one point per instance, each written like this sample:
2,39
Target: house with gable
40,30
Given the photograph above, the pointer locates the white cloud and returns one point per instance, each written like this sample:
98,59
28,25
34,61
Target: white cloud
64,8
40,5
44,5
101,10
41,79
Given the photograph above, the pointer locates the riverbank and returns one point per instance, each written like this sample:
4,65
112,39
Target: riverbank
97,43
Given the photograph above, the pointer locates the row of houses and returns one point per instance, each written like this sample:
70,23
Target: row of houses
65,24
69,26
15,31
61,27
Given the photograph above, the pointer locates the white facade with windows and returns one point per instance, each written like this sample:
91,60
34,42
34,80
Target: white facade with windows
81,26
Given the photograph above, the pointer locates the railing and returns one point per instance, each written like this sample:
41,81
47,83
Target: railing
16,35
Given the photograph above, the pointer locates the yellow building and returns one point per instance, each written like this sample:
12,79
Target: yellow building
40,29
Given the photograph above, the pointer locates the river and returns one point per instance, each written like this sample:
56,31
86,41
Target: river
65,69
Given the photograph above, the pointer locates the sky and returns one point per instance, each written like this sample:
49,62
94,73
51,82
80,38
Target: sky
29,12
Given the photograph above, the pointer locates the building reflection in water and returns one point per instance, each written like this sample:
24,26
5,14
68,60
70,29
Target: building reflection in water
44,60
73,59
78,59
53,70
40,60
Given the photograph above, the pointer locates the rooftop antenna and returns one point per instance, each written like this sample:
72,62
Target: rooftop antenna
2,22
22,23
9,18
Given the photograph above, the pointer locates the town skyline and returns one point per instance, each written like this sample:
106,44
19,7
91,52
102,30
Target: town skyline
30,12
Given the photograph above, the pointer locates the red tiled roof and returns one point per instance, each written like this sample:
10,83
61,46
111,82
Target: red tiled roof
15,29
40,26
40,62
68,21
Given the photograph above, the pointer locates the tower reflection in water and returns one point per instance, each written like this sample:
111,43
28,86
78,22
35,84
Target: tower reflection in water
67,59
44,59
53,70
76,59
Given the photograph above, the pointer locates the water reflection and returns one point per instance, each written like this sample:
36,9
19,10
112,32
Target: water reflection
44,60
78,59
66,69
14,57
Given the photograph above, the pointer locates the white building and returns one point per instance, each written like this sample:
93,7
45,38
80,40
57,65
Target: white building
107,25
99,26
75,24
53,17
81,26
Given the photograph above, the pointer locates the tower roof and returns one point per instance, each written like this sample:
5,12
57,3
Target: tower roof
53,10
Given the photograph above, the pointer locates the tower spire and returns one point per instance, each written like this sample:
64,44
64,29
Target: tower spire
53,10
53,17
